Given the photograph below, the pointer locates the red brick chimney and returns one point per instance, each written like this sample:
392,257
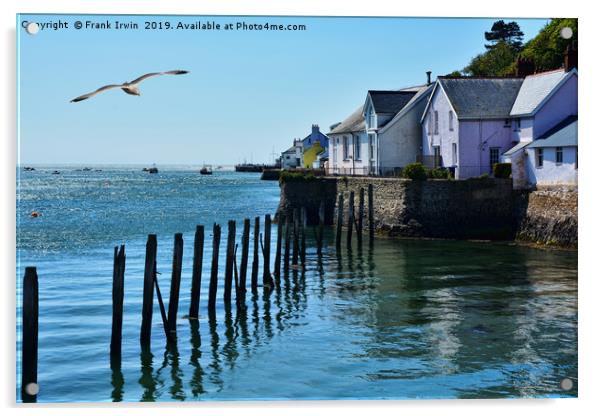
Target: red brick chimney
570,58
524,67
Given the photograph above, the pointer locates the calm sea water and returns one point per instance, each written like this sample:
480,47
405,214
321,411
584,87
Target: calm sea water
401,320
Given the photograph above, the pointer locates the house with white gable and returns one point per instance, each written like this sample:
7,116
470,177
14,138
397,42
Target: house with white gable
393,127
382,136
544,118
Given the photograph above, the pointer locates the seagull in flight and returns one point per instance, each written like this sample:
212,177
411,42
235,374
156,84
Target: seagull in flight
128,87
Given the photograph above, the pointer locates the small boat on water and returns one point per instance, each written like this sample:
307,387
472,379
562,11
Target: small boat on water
56,172
28,168
151,170
206,170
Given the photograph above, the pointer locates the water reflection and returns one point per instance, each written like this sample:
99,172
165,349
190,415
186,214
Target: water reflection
147,380
409,316
196,382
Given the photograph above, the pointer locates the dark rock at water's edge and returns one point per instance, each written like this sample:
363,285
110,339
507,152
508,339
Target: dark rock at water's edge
547,216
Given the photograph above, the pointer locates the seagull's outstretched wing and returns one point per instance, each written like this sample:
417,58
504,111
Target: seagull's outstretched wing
154,74
98,91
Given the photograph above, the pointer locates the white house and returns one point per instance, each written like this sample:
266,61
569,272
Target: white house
393,127
552,159
382,136
546,107
291,157
348,141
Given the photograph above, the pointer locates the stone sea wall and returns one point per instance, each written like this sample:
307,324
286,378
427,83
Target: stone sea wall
467,209
547,216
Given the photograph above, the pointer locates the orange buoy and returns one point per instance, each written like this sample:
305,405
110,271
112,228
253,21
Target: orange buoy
35,214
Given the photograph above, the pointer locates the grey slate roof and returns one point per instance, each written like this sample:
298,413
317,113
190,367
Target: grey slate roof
421,92
535,89
562,135
354,123
390,102
481,98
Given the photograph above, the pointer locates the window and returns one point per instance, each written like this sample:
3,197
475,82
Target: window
517,124
455,153
345,147
357,150
539,157
436,122
451,120
494,157
437,155
371,139
429,124
507,122
559,155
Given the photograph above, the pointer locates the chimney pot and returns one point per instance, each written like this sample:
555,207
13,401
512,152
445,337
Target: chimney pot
428,77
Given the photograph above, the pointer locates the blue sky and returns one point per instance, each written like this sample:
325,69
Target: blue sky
248,92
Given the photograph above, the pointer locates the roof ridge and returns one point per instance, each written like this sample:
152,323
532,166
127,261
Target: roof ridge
547,72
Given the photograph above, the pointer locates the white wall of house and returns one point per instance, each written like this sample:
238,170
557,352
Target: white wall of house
550,172
348,154
560,106
400,141
440,129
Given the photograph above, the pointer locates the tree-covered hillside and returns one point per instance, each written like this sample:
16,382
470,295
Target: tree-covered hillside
546,50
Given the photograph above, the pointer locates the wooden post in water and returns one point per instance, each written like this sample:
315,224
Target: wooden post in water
295,236
303,222
277,258
171,336
229,262
287,243
147,296
246,230
360,218
267,235
214,267
176,277
29,347
350,218
340,208
371,211
255,265
320,242
117,323
197,269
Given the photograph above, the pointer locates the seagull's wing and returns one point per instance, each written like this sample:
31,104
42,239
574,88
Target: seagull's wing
154,74
98,91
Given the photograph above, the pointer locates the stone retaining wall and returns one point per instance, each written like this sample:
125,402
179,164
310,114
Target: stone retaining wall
476,208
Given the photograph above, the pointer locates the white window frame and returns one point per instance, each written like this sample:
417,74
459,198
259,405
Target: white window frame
559,151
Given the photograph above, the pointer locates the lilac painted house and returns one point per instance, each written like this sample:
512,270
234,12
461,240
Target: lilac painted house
466,125
470,124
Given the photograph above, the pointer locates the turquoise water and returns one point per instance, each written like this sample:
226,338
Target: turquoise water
400,320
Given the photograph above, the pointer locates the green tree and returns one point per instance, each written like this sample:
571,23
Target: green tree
497,61
508,33
548,47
